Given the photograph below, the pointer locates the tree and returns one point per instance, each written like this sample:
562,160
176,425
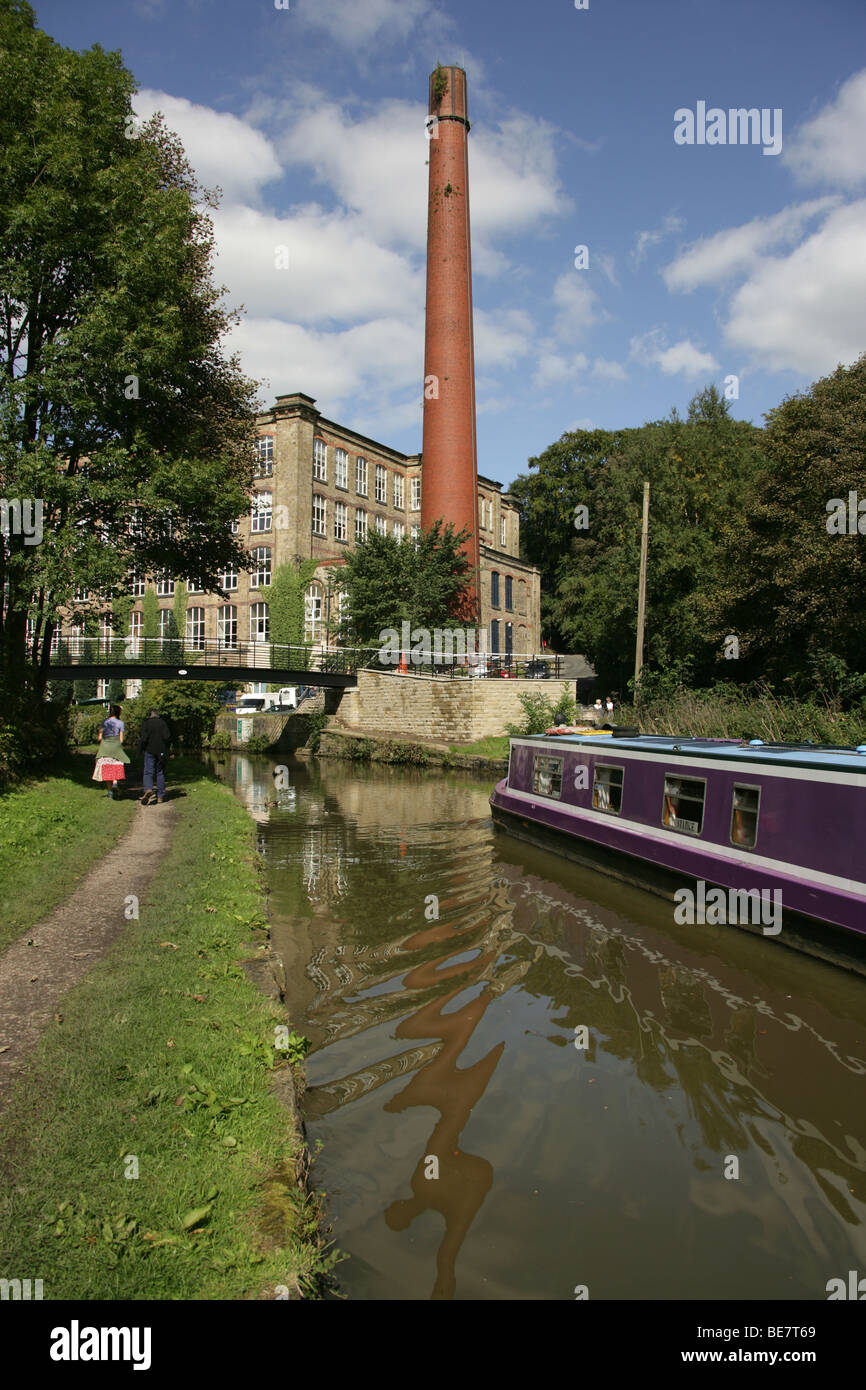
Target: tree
149,623
387,582
796,574
286,605
114,393
190,707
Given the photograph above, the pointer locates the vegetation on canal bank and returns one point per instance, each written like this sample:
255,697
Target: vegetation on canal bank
164,1055
52,830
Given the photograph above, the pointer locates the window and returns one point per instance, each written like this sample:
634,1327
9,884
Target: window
320,460
265,456
262,513
398,491
381,483
494,589
194,586
164,585
494,635
361,477
194,631
229,578
259,624
683,804
399,529
55,641
503,532
341,468
547,776
607,789
79,594
106,631
381,526
745,802
480,511
416,534
234,527
136,622
260,575
415,494
313,614
227,625
509,593
339,521
360,525
101,689
167,624
137,584
136,524
320,514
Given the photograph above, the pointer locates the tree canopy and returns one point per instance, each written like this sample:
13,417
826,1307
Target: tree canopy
388,582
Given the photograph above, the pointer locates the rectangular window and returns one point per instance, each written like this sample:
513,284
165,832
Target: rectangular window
166,623
398,491
547,776
509,593
360,525
229,578
234,527
312,614
227,626
481,511
341,468
262,514
265,456
381,483
745,804
381,526
416,534
361,477
79,594
683,804
494,590
398,530
503,532
137,584
415,494
320,460
260,575
164,585
194,586
320,514
195,627
339,521
136,622
607,789
259,622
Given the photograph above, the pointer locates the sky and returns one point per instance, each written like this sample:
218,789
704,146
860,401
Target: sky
714,260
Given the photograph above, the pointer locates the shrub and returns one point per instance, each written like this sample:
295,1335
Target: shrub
538,715
220,742
318,722
257,743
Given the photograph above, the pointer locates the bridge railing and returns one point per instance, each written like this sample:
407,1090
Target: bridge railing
75,649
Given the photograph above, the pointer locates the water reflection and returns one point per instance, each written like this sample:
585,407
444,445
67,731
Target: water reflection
556,1165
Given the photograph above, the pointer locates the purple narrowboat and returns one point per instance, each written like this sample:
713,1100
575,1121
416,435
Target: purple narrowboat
736,825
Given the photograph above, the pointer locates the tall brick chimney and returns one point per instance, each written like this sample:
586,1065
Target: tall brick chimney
449,463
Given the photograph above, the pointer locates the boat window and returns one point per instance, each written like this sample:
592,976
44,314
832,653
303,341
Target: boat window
607,789
744,816
547,776
683,806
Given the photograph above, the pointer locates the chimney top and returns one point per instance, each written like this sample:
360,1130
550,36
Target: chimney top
448,95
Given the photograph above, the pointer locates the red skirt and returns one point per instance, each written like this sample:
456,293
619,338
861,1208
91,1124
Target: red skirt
108,771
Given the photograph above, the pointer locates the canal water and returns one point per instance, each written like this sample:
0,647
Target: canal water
708,1141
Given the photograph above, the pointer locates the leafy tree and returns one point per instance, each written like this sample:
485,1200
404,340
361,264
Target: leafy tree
189,706
289,584
114,392
149,623
179,608
793,589
424,582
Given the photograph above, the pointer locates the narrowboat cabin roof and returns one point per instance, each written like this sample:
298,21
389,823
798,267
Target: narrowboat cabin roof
813,755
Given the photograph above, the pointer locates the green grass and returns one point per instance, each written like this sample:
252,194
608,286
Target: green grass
495,747
52,830
727,712
164,1052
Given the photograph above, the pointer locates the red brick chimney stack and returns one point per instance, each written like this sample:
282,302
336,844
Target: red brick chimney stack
450,489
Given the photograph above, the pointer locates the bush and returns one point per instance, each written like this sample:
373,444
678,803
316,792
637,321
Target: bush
538,715
318,721
220,742
257,743
86,725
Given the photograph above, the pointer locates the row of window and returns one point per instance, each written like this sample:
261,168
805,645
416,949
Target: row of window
485,520
683,799
341,477
341,522
509,591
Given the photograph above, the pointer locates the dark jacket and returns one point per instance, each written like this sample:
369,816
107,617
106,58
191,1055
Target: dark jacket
155,737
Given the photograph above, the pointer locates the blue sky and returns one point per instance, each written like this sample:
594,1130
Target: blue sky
705,261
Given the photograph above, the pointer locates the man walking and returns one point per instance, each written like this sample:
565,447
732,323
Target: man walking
153,742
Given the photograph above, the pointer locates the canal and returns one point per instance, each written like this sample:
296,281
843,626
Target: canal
528,1081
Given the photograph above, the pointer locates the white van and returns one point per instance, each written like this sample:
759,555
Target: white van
271,701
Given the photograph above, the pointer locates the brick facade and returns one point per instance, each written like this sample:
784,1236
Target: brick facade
447,711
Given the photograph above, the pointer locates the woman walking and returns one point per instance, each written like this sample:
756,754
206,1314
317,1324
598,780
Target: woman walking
110,757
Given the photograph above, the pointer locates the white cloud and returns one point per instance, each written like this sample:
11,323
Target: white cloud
646,239
502,337
831,148
556,369
806,312
736,250
222,148
577,305
358,24
609,371
682,357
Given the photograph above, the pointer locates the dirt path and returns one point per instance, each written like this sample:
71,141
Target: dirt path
38,969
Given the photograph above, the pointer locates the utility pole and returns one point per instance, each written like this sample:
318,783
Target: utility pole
641,593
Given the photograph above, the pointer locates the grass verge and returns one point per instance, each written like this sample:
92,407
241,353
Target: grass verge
494,747
160,1064
52,830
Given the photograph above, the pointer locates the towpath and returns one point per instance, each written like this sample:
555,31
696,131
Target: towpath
38,968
